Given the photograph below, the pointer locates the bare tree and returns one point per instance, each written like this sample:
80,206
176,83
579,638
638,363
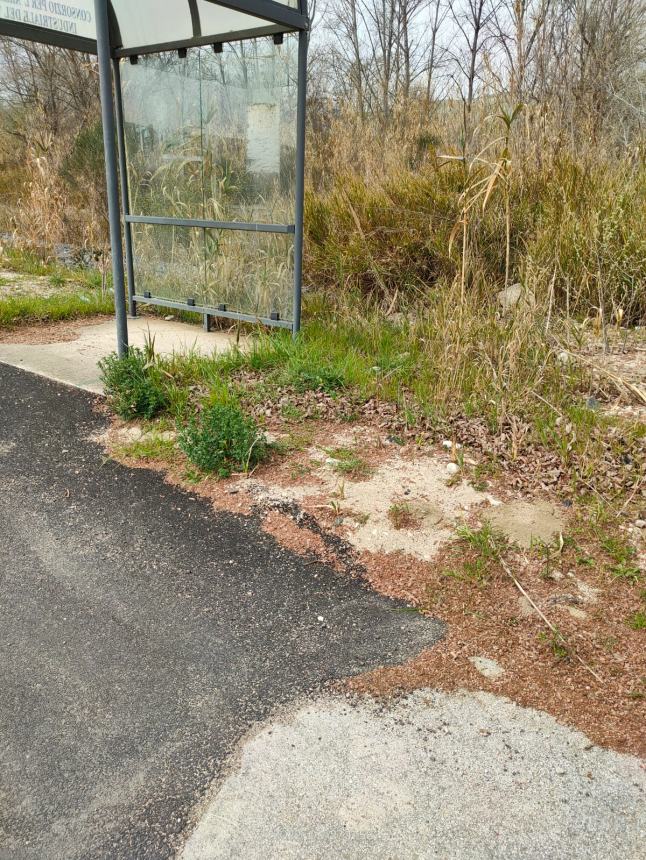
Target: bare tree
59,86
438,10
472,19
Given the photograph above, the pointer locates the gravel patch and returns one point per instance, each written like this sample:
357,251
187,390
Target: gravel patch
467,776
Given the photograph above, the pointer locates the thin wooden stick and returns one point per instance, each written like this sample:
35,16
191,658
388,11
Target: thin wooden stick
551,626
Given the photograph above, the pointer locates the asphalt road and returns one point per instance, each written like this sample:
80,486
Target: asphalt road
141,635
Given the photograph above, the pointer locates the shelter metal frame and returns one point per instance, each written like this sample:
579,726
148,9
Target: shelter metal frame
280,18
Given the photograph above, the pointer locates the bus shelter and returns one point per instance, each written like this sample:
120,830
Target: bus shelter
203,109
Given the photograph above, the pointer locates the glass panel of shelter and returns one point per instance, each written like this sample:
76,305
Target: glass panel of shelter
249,271
213,135
169,262
163,118
249,93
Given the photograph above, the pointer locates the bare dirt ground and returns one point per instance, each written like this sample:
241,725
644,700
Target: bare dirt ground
557,638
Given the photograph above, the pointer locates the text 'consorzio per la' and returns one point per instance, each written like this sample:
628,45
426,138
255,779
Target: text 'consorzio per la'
49,14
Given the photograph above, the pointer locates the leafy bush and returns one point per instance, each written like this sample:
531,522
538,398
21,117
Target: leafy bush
133,384
223,440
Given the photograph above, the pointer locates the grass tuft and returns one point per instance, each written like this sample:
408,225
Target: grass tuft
20,310
133,385
402,516
348,462
637,621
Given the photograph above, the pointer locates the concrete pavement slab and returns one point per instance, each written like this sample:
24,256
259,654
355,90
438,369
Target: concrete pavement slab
75,362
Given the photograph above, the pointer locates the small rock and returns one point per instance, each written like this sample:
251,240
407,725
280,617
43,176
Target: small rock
133,434
452,468
588,592
525,607
577,613
509,297
487,667
640,524
449,445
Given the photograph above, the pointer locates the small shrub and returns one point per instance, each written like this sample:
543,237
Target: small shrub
133,385
221,439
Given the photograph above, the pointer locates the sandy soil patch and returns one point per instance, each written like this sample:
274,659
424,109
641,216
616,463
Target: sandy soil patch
526,522
436,508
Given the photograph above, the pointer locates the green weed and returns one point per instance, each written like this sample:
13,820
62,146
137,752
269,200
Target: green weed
486,546
18,310
402,516
57,280
221,439
627,571
133,384
637,621
549,553
348,462
486,541
27,263
151,447
556,643
291,413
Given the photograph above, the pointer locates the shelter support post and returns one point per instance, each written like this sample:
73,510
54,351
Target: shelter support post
111,172
125,192
303,39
